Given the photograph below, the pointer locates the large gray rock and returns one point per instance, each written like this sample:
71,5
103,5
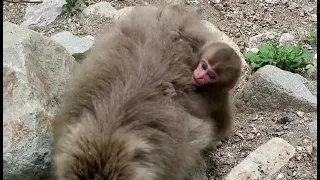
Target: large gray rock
103,9
77,46
264,161
35,72
38,15
271,88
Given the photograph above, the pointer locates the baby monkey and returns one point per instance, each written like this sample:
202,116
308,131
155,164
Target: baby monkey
215,73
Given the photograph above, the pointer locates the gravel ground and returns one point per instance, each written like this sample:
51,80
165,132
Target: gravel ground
240,19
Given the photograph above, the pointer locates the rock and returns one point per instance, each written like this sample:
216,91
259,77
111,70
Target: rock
178,2
313,17
313,129
272,1
306,9
35,72
299,148
39,15
215,1
122,13
280,176
286,38
300,113
199,172
264,161
254,50
292,5
103,9
192,2
260,38
271,89
77,46
309,149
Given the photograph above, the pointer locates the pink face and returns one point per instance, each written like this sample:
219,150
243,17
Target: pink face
204,74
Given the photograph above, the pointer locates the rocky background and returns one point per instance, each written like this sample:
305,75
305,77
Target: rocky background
275,135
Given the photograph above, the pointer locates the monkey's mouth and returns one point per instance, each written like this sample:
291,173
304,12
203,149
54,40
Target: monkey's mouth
196,83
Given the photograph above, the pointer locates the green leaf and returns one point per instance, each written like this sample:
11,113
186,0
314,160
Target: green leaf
255,66
266,50
250,56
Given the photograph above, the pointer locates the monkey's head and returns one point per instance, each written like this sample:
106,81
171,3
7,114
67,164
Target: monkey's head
219,65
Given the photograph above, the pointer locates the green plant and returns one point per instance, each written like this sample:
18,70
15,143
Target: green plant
289,58
74,6
311,38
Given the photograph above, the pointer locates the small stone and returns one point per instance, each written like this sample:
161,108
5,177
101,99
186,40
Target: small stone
215,1
292,5
299,148
285,127
306,9
219,7
291,165
254,50
299,158
300,114
272,1
103,9
240,135
279,133
313,17
286,38
250,136
254,130
301,13
309,149
280,176
284,1
306,141
294,174
192,2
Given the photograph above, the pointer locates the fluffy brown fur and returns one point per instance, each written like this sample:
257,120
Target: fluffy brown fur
115,123
211,101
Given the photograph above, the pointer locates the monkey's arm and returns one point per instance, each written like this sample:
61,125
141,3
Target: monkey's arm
223,120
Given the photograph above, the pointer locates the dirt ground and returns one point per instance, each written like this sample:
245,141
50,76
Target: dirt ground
239,19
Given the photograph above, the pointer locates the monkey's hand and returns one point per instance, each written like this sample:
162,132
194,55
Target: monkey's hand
168,89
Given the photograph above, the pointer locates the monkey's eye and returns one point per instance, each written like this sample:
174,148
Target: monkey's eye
211,75
204,66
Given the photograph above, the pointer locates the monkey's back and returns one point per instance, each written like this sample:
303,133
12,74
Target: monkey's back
114,123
